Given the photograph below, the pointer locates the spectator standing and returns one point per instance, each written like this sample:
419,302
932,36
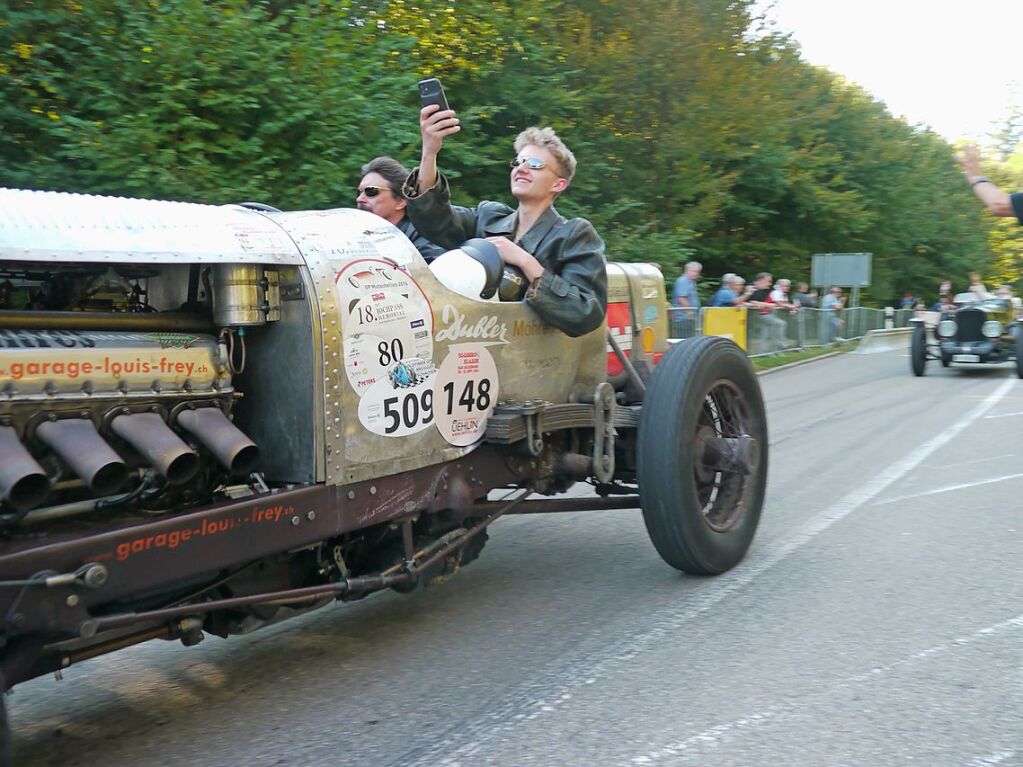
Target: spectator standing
731,292
685,320
780,295
770,325
832,304
803,298
684,294
997,202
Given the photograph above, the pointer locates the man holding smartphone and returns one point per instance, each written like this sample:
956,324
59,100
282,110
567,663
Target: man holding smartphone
563,261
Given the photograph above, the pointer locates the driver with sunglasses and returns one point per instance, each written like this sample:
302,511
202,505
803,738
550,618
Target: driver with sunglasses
562,260
379,193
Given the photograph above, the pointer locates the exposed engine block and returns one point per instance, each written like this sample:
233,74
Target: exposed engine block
86,409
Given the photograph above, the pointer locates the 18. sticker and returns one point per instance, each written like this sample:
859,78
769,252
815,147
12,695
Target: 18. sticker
464,393
387,320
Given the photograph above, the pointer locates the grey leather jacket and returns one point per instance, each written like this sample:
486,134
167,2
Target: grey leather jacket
571,294
428,250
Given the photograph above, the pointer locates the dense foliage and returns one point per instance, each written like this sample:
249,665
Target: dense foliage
698,135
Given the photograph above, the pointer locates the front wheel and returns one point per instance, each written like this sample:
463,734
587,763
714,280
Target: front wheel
918,349
702,456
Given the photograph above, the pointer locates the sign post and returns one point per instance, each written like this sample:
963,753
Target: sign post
843,270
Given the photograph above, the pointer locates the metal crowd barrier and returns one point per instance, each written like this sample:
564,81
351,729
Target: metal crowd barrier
782,330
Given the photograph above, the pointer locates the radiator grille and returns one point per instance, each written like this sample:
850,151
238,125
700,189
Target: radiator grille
969,322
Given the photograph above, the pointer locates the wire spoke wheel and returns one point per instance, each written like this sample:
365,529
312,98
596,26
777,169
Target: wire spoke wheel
702,456
726,455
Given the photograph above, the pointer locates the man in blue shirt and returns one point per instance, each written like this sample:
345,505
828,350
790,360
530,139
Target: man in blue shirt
731,291
684,294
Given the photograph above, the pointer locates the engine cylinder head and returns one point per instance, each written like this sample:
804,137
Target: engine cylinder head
81,447
165,450
221,437
23,483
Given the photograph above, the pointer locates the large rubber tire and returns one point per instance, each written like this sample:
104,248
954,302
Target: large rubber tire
701,520
918,349
1018,348
946,359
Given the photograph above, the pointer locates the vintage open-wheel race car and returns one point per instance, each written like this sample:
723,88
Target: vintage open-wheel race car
980,330
213,418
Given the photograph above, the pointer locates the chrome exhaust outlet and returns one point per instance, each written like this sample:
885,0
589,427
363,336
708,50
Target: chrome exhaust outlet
81,447
23,483
227,442
162,448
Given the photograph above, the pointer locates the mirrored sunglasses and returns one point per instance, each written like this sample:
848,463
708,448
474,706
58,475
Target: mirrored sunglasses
533,163
371,191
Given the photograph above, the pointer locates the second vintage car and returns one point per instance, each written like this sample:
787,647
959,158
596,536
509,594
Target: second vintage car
978,331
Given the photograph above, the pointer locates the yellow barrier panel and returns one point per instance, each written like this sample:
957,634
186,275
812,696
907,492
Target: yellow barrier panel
726,321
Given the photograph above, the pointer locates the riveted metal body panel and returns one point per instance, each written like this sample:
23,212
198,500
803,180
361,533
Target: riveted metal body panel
282,407
647,298
355,259
56,226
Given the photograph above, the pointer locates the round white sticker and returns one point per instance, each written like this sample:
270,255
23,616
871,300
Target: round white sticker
464,393
387,320
402,402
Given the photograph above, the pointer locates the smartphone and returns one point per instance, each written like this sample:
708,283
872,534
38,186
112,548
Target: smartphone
432,92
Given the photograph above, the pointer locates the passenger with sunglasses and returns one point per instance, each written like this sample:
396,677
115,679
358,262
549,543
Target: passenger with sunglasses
379,193
562,260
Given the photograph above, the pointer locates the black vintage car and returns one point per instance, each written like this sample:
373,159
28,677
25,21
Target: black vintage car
979,330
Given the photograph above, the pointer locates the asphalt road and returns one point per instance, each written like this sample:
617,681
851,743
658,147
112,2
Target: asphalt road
877,620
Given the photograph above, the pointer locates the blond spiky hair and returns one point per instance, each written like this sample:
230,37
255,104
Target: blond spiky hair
547,139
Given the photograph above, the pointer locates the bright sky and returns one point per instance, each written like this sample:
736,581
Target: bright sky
953,65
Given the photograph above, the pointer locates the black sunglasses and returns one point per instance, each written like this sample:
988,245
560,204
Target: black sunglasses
533,163
372,191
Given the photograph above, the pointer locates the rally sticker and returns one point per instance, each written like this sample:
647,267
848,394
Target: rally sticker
388,321
464,393
401,403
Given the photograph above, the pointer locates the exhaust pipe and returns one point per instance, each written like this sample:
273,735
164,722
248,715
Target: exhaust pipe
23,483
81,447
227,442
161,447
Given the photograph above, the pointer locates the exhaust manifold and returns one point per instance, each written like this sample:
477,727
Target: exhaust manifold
228,444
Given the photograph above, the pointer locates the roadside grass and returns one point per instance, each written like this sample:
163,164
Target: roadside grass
784,358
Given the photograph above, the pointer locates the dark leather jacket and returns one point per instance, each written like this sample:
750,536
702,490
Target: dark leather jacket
428,250
571,294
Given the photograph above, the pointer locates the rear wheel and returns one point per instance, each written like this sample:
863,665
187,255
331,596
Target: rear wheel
702,456
918,349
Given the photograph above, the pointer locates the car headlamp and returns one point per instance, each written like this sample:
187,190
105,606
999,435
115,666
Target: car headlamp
947,328
991,328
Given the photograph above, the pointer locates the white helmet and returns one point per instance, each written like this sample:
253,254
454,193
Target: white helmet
473,270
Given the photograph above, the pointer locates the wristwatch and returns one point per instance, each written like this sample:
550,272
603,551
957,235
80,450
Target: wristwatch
981,180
